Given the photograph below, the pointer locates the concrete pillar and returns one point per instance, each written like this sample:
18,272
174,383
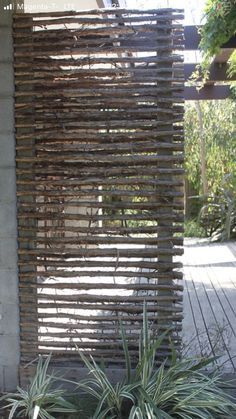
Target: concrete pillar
9,307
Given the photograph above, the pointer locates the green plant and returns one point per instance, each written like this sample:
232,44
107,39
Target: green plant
218,196
219,27
192,228
218,214
178,390
112,399
219,134
40,399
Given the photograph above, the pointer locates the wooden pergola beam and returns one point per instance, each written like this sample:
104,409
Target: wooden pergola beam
192,39
223,55
208,92
191,43
218,72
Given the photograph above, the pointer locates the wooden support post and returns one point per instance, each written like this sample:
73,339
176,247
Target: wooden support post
25,134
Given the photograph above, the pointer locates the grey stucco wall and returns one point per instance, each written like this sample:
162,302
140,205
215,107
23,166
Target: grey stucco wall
9,311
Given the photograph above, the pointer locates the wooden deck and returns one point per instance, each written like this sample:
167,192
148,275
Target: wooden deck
209,325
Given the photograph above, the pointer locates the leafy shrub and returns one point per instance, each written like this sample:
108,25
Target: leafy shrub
219,27
219,135
218,215
192,228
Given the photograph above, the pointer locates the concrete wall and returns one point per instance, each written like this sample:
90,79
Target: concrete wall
9,311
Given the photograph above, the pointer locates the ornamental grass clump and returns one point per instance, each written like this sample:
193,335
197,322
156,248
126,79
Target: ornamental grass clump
40,399
179,390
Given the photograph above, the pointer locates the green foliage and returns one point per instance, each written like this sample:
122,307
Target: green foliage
220,139
232,64
110,398
192,228
218,216
219,133
40,399
180,390
219,27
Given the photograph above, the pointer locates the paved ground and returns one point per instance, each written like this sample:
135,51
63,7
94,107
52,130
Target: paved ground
209,325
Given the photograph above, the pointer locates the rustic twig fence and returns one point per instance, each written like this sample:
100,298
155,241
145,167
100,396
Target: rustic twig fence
99,145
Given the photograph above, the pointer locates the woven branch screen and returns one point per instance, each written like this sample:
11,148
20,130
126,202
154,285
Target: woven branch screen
99,140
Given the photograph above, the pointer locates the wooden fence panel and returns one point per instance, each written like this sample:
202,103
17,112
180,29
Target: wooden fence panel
99,152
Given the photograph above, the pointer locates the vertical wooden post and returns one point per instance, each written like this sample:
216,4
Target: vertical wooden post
25,131
166,226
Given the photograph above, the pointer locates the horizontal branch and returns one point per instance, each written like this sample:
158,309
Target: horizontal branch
111,286
107,252
79,240
115,206
106,307
102,274
43,264
92,135
131,318
22,23
107,230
